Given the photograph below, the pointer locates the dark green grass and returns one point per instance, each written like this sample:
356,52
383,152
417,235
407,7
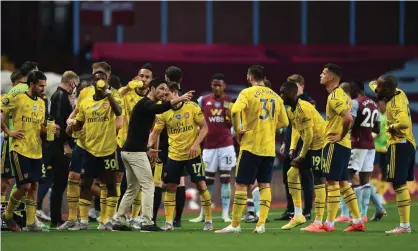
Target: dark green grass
191,237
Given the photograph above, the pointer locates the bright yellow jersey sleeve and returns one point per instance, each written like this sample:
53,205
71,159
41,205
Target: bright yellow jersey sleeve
85,93
398,114
99,125
338,101
262,109
182,129
28,115
129,101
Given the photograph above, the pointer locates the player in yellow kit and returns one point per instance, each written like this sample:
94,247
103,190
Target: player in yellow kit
28,115
131,94
186,128
97,114
337,151
263,113
401,147
308,125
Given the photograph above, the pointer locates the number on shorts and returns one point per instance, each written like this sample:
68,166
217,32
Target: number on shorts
316,162
228,160
198,170
370,117
266,110
43,171
110,164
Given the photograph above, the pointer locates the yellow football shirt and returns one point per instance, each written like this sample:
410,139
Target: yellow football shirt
27,114
338,101
182,129
129,100
306,116
262,112
99,137
397,112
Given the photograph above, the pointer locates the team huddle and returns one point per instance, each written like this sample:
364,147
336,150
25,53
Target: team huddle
126,145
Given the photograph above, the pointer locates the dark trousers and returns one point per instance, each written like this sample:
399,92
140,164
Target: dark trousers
307,187
60,169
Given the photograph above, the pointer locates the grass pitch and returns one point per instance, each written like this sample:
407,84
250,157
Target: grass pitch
191,237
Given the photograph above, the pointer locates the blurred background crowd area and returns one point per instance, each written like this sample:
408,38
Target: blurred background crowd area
366,38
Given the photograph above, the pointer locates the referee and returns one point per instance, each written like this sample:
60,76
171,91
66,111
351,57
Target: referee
135,151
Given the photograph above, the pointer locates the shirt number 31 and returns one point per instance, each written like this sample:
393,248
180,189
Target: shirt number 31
267,112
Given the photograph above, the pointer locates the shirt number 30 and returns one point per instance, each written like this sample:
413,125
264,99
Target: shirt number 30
266,110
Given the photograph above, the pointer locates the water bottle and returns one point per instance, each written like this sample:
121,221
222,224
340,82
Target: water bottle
135,84
101,84
50,128
158,169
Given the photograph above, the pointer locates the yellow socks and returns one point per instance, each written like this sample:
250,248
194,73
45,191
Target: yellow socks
240,202
13,203
136,205
169,205
73,195
103,196
30,211
84,210
295,189
206,203
3,198
333,203
265,201
320,198
111,203
403,201
351,200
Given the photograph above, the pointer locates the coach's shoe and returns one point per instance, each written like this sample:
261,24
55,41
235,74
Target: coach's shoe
294,222
378,215
34,228
313,228
150,228
67,225
285,216
248,216
198,219
208,226
229,230
252,220
260,229
11,223
79,226
42,215
177,223
343,219
356,228
399,230
168,226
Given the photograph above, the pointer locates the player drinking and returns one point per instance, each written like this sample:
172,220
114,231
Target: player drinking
336,152
401,147
218,148
308,125
263,112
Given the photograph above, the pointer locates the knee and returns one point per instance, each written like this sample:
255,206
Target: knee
74,176
25,187
398,185
111,190
171,187
225,177
210,181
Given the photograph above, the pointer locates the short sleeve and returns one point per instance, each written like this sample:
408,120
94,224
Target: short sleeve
159,122
198,115
338,103
241,103
354,107
8,103
81,115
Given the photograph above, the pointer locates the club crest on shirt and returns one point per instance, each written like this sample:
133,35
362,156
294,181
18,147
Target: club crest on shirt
105,105
41,109
96,107
35,108
186,115
6,101
178,116
217,104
